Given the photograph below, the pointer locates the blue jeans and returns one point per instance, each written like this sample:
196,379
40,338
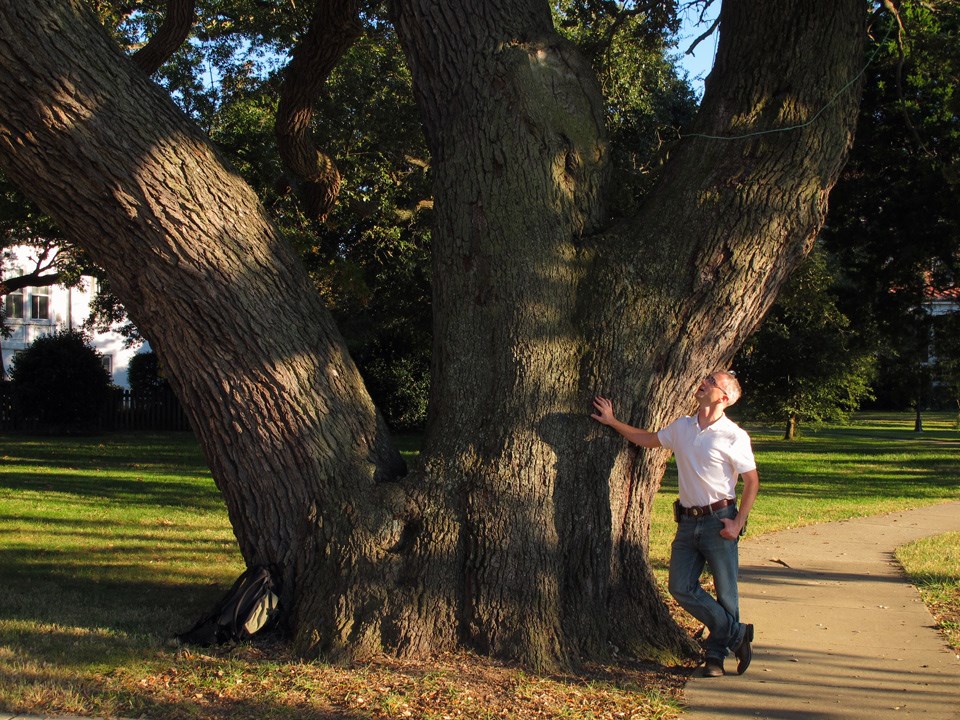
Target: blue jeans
698,542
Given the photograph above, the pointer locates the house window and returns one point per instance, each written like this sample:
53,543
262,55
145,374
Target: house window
14,304
40,304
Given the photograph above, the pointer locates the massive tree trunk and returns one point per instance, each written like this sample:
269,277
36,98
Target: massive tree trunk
540,304
524,533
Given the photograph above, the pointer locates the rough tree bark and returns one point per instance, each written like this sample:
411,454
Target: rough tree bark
790,433
524,533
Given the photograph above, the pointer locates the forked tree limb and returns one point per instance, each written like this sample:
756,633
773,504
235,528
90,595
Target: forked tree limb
333,29
173,31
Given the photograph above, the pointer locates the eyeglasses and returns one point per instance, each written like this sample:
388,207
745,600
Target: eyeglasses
711,380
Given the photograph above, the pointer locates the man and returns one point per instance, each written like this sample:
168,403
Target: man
711,451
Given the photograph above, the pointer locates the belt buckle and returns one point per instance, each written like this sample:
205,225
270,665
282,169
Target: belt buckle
696,512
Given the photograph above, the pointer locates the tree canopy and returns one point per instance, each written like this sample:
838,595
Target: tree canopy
371,259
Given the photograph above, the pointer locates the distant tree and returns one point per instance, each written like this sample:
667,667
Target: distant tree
806,363
59,382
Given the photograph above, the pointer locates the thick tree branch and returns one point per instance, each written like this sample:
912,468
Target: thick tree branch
901,60
33,279
333,29
174,30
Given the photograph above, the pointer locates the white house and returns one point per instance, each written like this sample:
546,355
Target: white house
35,311
942,302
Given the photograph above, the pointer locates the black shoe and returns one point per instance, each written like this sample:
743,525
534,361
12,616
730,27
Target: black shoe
744,652
713,667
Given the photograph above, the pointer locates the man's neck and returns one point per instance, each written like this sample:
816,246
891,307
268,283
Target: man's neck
709,414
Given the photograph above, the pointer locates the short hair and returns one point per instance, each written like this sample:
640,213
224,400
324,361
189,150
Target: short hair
731,386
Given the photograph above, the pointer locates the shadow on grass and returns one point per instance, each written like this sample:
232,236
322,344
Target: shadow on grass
200,494
853,438
144,469
42,594
59,694
107,553
173,449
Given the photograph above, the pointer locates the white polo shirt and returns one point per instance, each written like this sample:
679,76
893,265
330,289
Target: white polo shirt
709,461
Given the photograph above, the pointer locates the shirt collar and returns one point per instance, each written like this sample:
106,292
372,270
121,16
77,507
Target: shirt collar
722,420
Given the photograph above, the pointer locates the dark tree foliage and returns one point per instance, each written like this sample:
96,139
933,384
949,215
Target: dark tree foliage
894,222
371,260
648,101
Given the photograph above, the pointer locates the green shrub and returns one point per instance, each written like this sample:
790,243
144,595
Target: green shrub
59,383
143,374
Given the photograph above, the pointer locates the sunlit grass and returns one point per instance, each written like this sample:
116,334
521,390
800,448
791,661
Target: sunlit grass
933,565
106,548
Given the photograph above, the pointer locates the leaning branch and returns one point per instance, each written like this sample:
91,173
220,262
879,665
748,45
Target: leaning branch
704,36
174,30
901,60
334,28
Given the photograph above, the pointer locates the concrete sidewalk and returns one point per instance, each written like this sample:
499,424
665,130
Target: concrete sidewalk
840,633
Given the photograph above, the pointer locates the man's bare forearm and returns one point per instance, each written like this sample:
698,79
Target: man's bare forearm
638,436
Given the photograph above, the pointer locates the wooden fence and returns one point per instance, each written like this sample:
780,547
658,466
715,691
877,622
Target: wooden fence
159,410
6,406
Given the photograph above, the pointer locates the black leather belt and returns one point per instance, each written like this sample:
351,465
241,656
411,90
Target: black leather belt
707,509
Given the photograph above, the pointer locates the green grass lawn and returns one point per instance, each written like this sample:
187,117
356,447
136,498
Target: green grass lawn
933,565
107,546
110,545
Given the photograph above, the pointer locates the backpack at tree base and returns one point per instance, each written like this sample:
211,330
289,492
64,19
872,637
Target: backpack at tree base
251,606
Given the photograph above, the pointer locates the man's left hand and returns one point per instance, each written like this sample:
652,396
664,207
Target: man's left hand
731,529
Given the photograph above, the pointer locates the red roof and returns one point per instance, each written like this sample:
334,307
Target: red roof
945,294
